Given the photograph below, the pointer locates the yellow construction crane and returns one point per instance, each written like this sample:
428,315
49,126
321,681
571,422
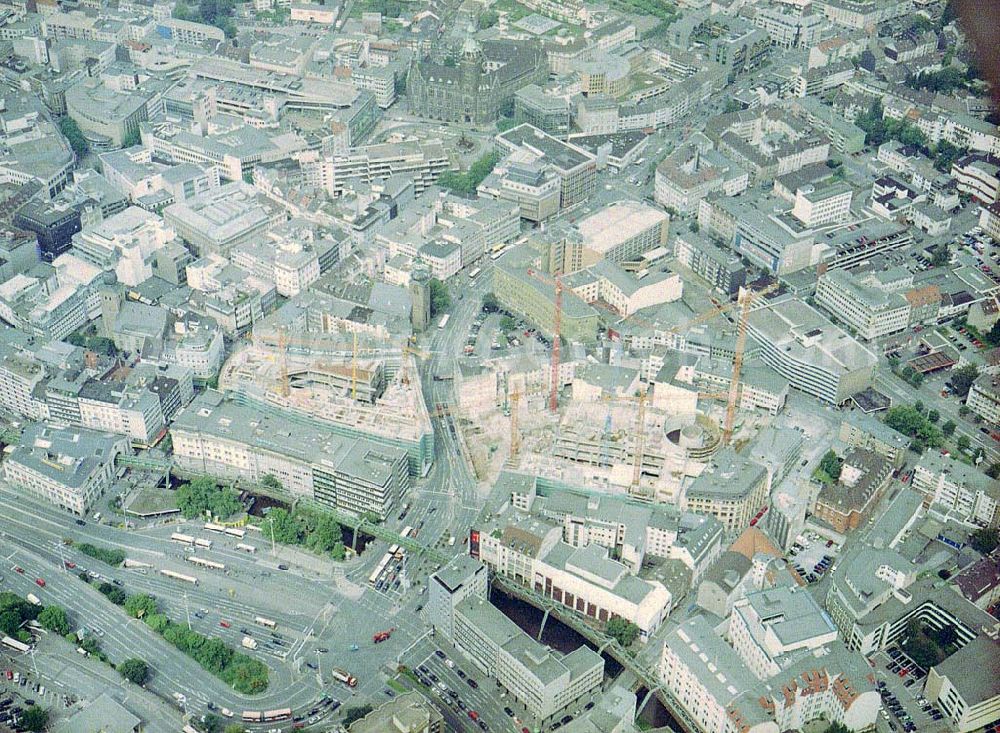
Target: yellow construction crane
744,300
283,388
640,439
354,368
515,432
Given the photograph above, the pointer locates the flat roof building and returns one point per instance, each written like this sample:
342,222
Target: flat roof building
815,356
69,467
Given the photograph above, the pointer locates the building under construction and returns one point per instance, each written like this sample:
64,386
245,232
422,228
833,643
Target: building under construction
359,396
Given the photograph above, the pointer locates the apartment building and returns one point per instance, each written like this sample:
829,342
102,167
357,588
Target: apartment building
69,467
690,173
871,312
956,490
719,691
20,376
575,167
815,206
224,438
978,176
984,397
125,243
849,501
769,627
545,682
866,431
720,267
963,688
424,162
732,488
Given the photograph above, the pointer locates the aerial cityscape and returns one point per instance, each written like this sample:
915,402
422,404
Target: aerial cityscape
427,366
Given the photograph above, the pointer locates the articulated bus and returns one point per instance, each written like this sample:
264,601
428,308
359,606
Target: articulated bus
205,563
271,716
15,644
180,576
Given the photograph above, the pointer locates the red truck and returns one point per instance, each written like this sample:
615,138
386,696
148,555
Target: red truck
381,636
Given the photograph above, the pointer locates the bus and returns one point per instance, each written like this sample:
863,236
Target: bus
205,563
253,716
406,531
261,621
496,255
236,532
249,549
180,576
185,539
271,716
215,528
379,569
444,320
207,544
15,644
474,273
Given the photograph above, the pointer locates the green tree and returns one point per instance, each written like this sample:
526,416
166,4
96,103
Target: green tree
440,298
831,465
74,135
732,105
963,442
984,540
940,256
234,728
490,303
135,671
992,336
694,226
270,482
488,19
131,138
933,415
838,728
507,324
285,528
114,594
35,718
204,495
948,428
962,379
140,605
994,470
623,631
55,620
356,713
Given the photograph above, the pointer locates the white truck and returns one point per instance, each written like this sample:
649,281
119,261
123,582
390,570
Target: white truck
249,642
32,598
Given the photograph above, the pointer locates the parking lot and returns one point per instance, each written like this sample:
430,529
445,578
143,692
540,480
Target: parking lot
901,683
20,691
813,555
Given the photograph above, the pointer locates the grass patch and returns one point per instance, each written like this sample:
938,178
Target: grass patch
396,685
822,477
150,500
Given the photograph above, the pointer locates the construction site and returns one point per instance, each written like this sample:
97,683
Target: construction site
646,440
